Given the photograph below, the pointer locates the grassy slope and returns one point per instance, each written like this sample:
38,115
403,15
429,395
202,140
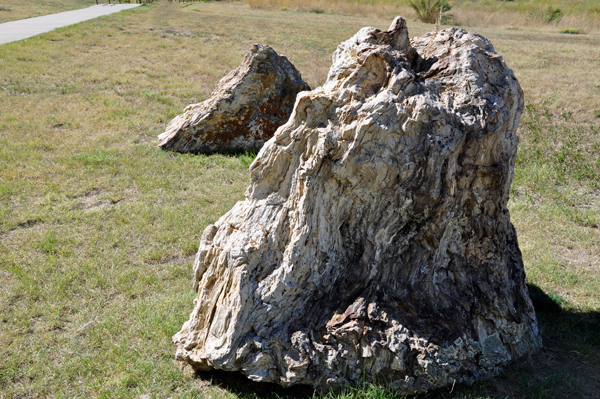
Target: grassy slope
98,227
567,6
544,15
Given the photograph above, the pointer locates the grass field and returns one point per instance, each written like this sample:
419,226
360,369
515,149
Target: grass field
542,15
12,10
98,227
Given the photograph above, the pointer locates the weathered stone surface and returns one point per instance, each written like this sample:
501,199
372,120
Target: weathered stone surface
244,110
375,239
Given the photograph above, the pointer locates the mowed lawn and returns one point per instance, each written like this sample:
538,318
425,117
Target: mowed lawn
12,10
99,227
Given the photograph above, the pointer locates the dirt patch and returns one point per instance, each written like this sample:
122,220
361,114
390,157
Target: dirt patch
6,279
15,236
26,224
171,260
172,32
93,200
579,258
99,198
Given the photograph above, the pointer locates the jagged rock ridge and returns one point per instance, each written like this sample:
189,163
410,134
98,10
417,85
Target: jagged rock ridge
244,110
375,240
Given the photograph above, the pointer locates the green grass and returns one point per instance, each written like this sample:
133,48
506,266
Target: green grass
99,228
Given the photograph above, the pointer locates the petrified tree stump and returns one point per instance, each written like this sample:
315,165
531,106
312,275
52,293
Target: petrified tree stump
244,110
375,240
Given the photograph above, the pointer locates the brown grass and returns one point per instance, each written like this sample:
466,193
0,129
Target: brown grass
464,13
355,8
468,17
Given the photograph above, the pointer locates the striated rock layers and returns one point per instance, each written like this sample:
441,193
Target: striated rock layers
375,241
244,110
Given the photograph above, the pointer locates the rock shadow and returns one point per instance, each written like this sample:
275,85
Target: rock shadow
567,366
239,385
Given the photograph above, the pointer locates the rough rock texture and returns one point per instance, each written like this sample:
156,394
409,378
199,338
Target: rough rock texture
244,110
375,240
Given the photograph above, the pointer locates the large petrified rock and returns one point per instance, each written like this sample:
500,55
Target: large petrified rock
244,110
375,240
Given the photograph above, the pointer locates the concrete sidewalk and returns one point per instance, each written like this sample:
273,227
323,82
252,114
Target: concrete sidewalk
19,30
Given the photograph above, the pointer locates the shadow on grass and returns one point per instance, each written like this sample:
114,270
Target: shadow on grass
568,366
239,385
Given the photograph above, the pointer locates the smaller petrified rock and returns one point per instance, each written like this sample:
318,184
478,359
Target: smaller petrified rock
244,111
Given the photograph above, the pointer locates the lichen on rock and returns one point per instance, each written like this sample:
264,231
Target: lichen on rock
244,110
375,239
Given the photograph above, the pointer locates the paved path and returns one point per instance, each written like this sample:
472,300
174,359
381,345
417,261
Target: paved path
19,30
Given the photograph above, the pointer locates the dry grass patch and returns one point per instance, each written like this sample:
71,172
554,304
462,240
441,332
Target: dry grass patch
98,227
377,8
540,15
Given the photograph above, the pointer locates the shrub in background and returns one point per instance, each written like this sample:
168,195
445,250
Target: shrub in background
553,14
428,10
